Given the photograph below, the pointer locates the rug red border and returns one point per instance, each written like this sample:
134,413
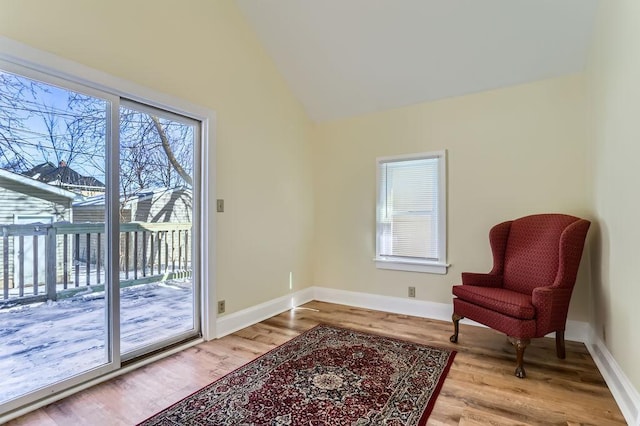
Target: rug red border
432,401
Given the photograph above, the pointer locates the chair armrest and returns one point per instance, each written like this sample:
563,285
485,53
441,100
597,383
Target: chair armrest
552,305
481,280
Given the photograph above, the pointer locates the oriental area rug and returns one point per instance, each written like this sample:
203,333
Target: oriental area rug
325,376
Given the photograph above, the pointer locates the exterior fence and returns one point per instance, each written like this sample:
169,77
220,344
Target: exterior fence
42,261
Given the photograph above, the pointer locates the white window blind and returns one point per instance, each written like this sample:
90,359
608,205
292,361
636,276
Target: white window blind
410,227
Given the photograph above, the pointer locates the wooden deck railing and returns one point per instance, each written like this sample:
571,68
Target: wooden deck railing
74,257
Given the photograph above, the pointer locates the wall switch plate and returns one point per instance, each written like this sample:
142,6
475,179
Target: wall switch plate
412,292
220,205
221,307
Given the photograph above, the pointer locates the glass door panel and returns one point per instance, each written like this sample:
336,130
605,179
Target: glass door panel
53,309
159,298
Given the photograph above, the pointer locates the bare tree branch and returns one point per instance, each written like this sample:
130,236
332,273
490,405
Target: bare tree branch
167,149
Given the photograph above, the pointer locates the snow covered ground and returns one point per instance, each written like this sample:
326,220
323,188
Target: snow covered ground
43,343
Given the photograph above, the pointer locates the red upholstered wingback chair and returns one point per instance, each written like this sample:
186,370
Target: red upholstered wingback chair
527,293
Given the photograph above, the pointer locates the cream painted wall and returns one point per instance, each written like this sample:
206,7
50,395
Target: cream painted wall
614,88
511,152
203,51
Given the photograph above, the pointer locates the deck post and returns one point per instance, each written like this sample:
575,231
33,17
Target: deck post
51,261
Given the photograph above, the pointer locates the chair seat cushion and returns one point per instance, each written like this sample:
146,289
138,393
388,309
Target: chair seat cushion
505,301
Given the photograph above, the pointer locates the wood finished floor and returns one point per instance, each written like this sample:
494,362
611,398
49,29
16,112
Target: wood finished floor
479,390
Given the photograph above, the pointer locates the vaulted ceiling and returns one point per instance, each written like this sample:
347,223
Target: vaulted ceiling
348,57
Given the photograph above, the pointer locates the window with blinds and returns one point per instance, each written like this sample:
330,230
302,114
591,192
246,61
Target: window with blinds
411,231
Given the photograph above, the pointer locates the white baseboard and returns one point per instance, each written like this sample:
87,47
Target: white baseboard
576,330
396,305
623,391
238,320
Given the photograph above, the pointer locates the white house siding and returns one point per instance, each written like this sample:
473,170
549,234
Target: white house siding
20,199
166,206
160,206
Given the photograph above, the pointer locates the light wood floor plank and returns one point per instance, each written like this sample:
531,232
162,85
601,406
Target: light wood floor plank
480,388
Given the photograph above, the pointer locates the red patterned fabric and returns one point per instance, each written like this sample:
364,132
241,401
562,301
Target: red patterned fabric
551,306
507,302
498,237
514,327
482,280
535,263
533,256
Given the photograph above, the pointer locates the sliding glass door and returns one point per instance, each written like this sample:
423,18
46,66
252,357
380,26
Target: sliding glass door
55,312
99,232
159,302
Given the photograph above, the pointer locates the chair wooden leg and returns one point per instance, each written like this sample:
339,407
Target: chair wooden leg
520,345
560,345
456,327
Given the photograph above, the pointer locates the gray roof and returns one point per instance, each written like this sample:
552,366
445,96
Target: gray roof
62,175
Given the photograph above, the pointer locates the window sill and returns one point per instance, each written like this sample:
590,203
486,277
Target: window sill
411,266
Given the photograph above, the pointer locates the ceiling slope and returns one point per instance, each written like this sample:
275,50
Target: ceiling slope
348,57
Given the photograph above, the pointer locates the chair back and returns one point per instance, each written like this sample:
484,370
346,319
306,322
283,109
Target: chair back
532,255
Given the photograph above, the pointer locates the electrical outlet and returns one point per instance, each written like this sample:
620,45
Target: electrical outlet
412,292
221,307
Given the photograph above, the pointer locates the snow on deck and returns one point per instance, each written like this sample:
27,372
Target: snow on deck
43,343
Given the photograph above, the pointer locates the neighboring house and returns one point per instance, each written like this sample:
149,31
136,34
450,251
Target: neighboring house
65,177
25,201
147,205
155,205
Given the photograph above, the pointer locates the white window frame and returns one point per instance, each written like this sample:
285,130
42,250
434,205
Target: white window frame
440,265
